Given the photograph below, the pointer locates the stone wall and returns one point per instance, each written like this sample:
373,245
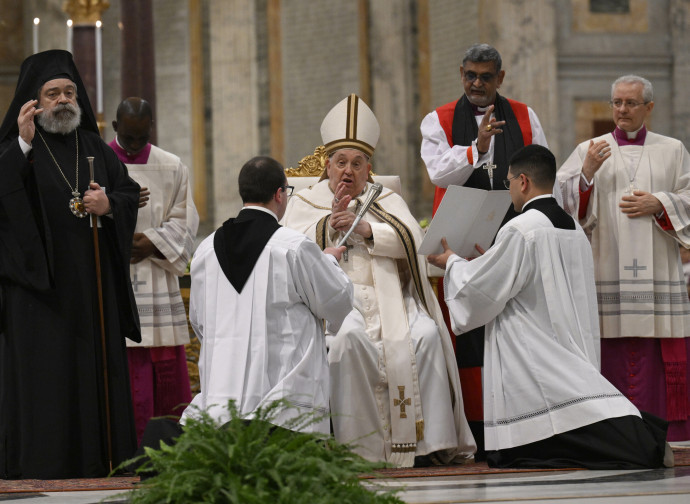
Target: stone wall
320,67
173,105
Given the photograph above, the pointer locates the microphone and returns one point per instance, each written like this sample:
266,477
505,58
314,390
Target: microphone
373,193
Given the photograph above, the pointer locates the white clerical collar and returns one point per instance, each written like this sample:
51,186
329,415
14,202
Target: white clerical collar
632,135
261,209
541,196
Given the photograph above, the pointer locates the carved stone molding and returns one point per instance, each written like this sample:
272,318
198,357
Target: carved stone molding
85,11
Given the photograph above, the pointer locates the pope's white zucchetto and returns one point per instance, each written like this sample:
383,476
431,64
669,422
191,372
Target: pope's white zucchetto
350,125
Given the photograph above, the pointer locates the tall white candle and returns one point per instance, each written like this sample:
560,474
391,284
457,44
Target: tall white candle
69,35
99,70
35,33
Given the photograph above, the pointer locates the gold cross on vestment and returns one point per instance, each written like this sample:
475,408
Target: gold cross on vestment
490,167
402,402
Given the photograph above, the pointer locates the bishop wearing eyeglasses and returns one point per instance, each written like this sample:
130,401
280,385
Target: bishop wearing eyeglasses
469,142
630,190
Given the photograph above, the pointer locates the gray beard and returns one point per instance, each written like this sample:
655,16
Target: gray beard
61,119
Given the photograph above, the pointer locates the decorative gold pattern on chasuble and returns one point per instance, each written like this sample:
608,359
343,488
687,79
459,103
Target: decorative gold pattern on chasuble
321,230
85,11
402,402
408,244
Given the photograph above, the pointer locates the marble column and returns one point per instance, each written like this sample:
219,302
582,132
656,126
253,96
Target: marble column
234,95
679,17
84,54
394,89
525,35
138,63
85,16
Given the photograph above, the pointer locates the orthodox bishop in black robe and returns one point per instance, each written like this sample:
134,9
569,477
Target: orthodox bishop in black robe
52,387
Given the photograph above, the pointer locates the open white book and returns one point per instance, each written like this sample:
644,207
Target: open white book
466,216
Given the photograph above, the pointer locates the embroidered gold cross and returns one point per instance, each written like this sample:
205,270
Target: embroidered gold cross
402,402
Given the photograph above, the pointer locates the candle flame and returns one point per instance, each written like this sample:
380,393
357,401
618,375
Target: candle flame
69,22
98,24
36,21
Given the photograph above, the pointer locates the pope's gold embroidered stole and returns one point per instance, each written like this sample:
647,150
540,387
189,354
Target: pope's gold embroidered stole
407,240
404,234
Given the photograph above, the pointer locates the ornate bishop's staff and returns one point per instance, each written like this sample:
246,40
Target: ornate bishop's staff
104,354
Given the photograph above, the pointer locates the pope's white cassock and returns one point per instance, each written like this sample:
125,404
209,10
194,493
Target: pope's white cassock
170,220
534,290
395,390
267,341
639,277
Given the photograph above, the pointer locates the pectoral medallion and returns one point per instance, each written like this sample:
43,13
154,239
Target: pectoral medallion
630,190
76,205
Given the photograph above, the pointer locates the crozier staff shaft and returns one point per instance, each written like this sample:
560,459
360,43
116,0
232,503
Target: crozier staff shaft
104,353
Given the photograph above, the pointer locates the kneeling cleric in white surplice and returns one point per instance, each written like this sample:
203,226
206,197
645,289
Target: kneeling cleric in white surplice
545,402
259,294
395,390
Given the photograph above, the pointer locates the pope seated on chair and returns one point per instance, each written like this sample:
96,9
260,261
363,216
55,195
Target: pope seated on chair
395,391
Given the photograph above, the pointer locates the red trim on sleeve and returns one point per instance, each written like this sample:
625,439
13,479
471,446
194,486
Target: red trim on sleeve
664,222
470,157
584,201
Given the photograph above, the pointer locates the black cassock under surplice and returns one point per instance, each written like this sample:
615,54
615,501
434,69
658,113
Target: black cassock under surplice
52,409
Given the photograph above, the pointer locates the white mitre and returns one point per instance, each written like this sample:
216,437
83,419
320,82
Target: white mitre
350,125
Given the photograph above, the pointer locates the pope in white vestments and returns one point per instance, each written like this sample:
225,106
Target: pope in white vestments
395,391
258,296
630,190
534,290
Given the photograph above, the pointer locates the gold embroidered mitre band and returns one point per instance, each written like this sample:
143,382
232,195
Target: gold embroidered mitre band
350,125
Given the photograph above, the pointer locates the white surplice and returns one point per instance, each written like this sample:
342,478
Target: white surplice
534,291
267,342
170,220
395,389
640,285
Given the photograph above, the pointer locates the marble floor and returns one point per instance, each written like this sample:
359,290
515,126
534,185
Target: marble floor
657,486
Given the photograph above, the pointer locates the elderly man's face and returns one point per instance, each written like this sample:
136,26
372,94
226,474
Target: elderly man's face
133,132
351,167
61,113
629,109
56,92
480,81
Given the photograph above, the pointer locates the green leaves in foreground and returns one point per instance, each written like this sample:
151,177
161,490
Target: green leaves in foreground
255,462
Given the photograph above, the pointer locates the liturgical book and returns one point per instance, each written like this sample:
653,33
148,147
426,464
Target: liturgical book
466,216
